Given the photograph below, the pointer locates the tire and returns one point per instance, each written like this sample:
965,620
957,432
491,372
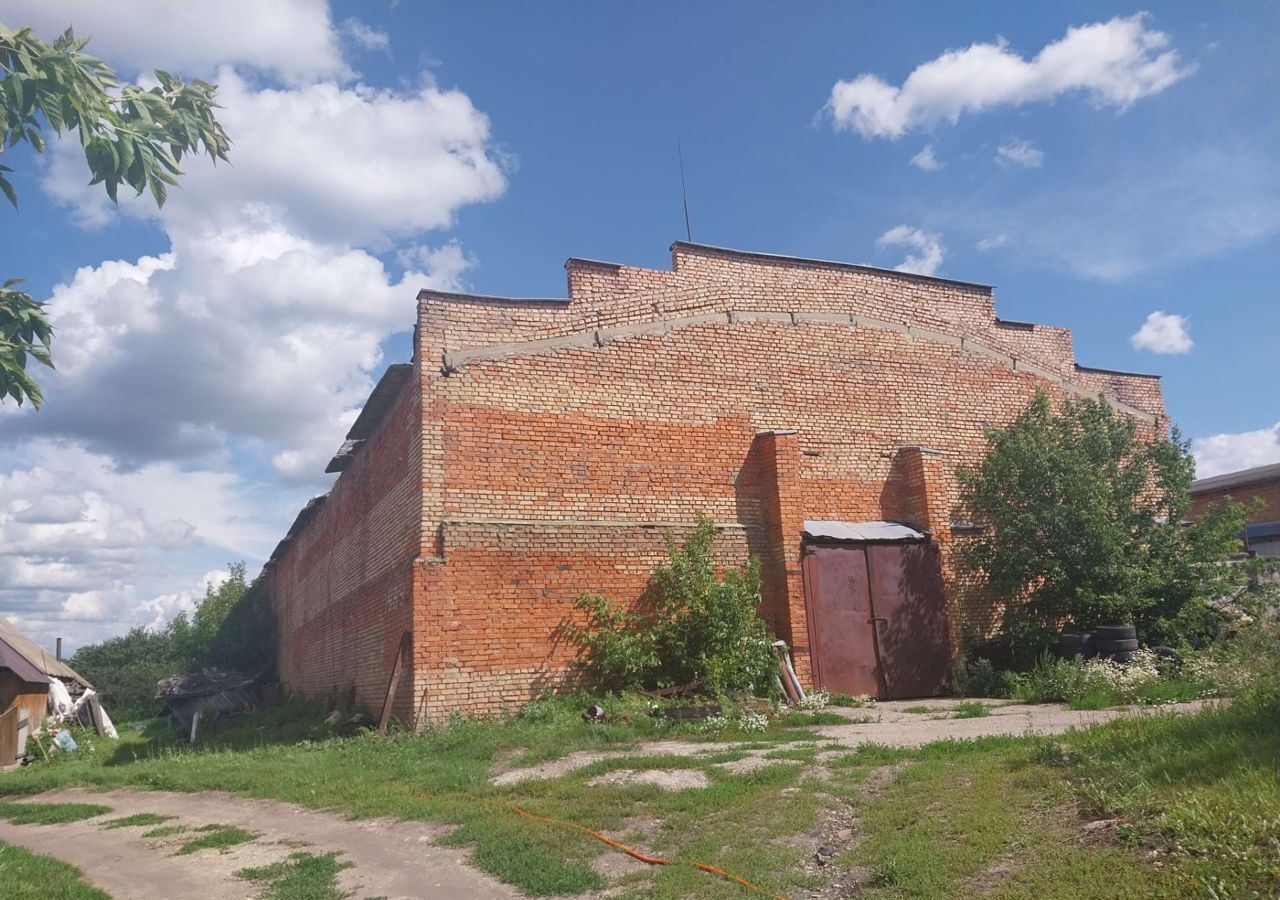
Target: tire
1072,645
1115,633
1106,648
1124,656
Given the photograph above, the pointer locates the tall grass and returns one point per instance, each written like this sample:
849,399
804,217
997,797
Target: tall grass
1203,788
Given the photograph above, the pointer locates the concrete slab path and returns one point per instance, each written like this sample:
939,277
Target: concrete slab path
886,723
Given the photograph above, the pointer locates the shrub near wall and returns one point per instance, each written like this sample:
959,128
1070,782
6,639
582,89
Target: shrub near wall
693,626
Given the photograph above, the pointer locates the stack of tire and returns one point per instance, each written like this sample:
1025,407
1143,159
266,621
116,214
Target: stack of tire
1116,642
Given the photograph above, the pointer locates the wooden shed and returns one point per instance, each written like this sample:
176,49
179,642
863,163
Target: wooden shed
24,697
25,672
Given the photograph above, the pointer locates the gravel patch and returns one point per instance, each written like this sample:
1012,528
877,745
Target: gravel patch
667,779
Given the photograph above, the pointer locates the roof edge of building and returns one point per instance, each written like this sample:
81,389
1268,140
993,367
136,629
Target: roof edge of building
1236,479
1101,371
758,256
691,247
487,299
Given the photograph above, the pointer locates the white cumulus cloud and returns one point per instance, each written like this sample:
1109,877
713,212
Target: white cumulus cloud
926,161
994,242
928,247
1220,453
1017,152
353,164
292,39
1163,333
201,387
1114,64
86,543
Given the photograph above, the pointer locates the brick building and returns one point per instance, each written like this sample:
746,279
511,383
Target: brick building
1261,486
536,449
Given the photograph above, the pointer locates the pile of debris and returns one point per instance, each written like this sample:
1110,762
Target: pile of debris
210,693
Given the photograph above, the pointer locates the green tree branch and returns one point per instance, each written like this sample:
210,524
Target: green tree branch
130,135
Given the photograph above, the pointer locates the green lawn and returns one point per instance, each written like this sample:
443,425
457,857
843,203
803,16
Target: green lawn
27,876
1197,799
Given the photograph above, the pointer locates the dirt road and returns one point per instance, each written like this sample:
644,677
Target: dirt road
388,859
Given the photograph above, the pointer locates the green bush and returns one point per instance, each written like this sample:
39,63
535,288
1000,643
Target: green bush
977,677
691,625
1084,524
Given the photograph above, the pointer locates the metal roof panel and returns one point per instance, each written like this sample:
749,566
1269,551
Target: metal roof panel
861,531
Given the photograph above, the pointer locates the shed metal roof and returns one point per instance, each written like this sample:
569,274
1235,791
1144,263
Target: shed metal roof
861,531
14,661
35,655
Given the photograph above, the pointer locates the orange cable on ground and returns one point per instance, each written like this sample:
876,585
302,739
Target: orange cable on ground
651,860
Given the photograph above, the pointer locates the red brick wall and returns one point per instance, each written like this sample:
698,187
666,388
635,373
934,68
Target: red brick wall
561,439
491,619
343,587
1268,491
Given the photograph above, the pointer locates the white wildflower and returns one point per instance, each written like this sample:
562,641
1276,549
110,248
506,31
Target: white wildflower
815,700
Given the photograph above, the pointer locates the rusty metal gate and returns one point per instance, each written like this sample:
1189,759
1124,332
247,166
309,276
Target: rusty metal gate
877,618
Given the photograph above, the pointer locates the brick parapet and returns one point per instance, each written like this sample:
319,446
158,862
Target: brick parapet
1138,396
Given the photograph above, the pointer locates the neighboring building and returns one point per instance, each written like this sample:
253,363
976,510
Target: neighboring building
25,670
1262,534
536,449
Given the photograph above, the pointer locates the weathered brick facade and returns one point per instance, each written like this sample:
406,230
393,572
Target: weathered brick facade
560,439
1259,490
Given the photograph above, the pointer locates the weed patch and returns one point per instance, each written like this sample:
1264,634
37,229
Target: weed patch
971,709
216,837
303,876
136,820
50,813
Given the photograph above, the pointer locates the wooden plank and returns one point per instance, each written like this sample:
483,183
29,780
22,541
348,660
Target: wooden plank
393,683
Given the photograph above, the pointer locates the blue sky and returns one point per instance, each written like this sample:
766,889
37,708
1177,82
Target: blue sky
1097,163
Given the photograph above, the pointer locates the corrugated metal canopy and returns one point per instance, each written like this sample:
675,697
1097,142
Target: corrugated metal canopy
860,531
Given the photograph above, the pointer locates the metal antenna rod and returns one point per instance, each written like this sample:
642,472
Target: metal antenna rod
684,193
